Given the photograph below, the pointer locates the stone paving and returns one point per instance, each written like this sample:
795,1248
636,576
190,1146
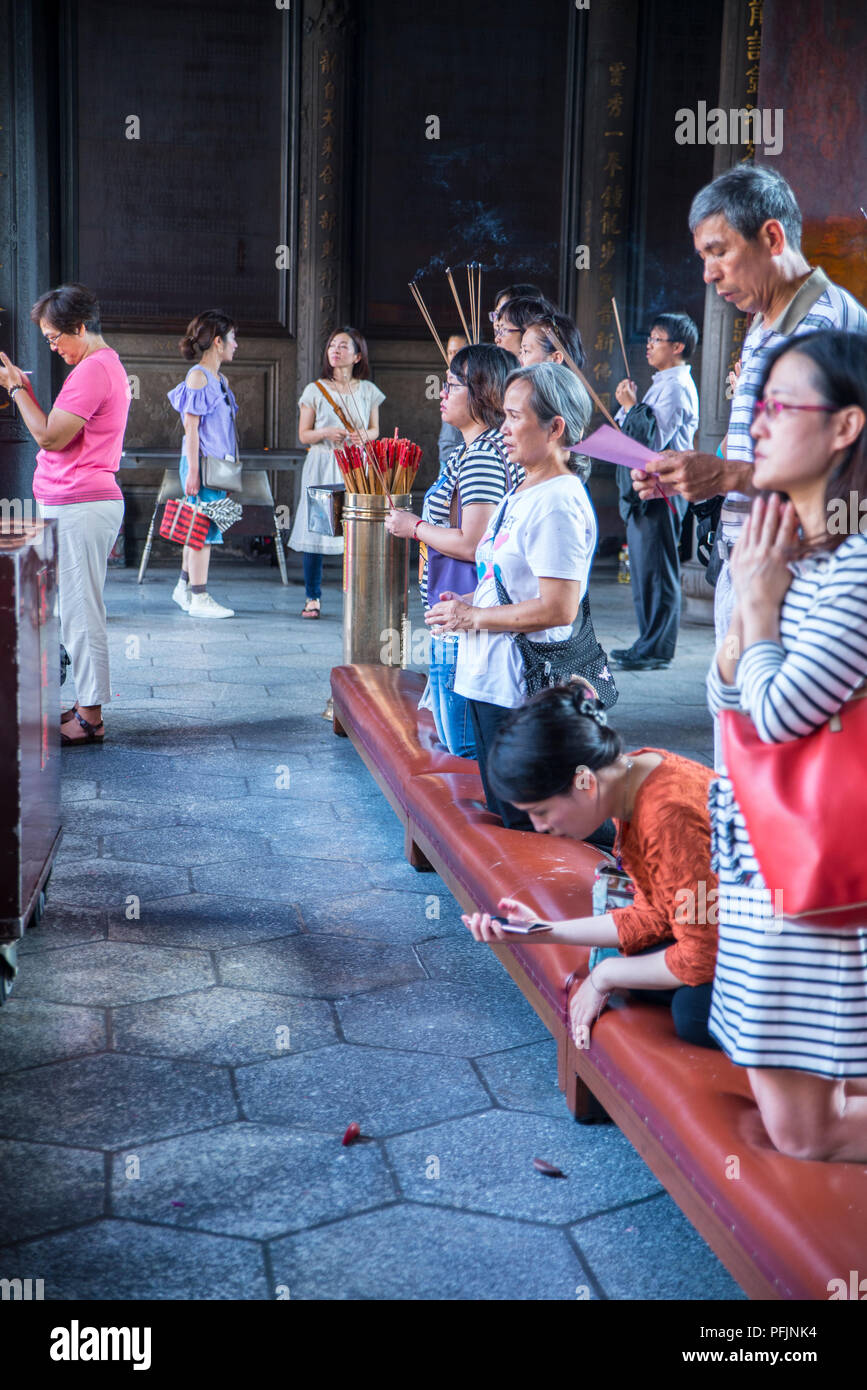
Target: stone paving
237,961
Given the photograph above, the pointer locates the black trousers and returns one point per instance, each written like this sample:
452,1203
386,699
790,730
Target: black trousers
486,721
654,568
690,1009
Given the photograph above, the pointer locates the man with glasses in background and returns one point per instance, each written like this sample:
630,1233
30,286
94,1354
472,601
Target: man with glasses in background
667,418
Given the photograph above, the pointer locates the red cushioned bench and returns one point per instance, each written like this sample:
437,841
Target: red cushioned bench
783,1227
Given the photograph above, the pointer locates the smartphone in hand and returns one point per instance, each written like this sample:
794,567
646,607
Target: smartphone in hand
524,928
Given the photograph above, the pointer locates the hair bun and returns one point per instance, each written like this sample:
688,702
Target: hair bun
587,702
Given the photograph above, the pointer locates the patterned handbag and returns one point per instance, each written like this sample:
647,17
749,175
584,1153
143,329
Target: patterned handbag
223,513
185,524
578,656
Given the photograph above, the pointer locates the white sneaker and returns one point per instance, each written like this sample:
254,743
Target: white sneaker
181,594
203,606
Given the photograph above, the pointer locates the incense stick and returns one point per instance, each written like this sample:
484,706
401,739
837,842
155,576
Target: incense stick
479,299
620,336
453,289
422,308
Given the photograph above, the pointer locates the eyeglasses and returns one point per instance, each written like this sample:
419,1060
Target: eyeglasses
52,339
651,339
503,330
775,408
449,386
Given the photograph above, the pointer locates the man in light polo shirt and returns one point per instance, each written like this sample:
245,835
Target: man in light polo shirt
746,227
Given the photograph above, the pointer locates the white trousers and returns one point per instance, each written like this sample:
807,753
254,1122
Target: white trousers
86,532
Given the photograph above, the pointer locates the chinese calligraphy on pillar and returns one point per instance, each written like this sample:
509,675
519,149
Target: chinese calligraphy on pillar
609,229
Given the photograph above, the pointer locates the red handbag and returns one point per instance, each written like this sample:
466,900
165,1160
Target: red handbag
804,803
184,524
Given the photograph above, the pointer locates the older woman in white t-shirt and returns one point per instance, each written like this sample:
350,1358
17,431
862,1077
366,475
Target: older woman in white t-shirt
540,542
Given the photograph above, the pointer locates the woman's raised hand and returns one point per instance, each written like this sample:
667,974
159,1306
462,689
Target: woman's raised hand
483,927
400,523
334,434
451,614
10,375
760,559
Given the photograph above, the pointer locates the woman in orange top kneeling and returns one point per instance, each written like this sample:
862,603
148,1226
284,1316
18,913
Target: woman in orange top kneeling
557,759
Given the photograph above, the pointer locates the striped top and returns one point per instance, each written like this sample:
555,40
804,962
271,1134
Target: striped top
807,311
480,471
791,687
786,993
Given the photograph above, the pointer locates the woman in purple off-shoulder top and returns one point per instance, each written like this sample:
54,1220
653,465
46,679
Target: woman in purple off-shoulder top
208,409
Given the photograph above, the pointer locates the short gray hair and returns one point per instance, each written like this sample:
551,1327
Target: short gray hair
555,390
748,197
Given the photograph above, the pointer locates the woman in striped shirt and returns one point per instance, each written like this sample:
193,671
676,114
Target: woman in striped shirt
790,1000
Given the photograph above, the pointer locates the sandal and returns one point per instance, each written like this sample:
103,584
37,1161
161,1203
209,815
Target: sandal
311,608
90,733
66,715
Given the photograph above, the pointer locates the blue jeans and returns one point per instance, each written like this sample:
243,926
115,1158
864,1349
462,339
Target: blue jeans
312,574
451,712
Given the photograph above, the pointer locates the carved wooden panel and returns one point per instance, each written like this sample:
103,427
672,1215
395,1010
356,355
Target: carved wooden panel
490,187
185,169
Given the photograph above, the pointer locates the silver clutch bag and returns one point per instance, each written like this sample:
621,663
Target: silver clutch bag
221,473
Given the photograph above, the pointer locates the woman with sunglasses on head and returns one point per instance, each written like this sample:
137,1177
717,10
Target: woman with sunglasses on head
334,410
790,998
556,759
455,512
537,341
208,408
81,441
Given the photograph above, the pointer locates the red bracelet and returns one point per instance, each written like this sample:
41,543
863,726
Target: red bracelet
415,528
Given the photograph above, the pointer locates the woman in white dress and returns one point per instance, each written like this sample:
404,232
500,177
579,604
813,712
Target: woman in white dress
345,378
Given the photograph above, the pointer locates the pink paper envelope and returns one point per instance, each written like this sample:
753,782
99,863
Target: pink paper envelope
615,447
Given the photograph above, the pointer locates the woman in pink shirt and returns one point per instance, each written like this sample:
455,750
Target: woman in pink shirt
80,441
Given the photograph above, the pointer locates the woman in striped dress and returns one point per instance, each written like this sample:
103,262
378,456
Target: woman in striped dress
790,1000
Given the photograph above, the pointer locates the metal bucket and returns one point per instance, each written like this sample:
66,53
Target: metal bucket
375,582
324,507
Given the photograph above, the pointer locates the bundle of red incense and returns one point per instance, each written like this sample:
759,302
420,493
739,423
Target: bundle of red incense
384,465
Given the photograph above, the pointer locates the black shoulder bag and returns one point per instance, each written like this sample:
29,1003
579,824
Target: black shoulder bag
578,657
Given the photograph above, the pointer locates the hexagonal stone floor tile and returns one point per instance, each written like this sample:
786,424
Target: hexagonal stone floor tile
526,1078
107,816
282,1180
103,882
651,1251
64,925
184,846
486,1164
376,914
108,1101
455,956
63,1187
121,1260
408,1252
290,879
33,1033
434,1016
113,972
223,1026
324,966
384,1091
204,921
171,790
